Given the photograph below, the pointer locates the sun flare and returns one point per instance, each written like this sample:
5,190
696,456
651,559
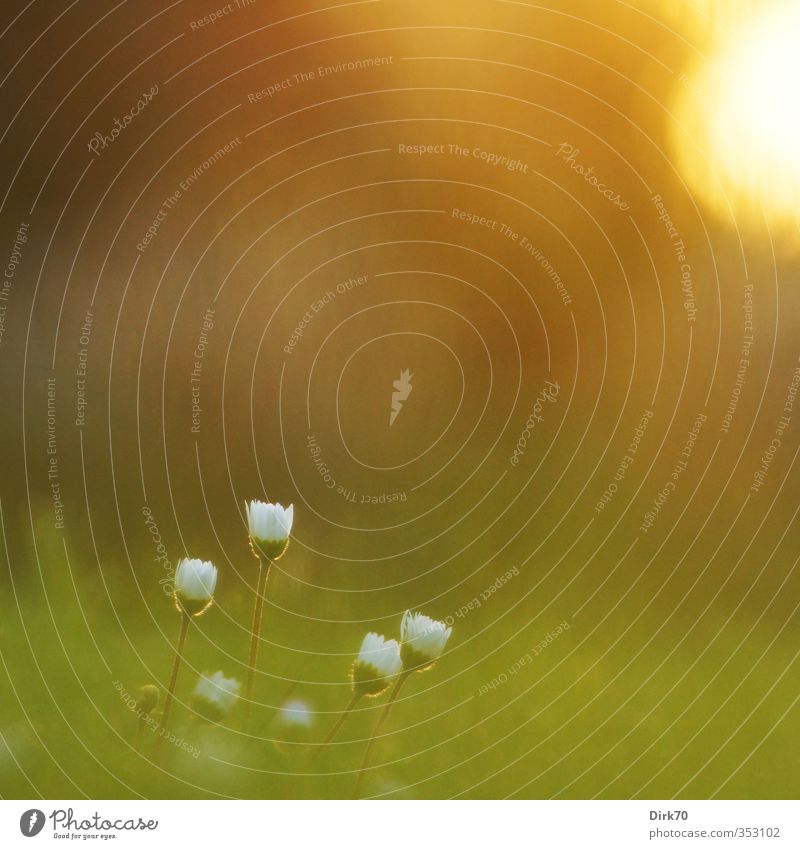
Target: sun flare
743,115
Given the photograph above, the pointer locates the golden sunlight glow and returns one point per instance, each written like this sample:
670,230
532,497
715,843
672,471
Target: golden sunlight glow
714,14
743,115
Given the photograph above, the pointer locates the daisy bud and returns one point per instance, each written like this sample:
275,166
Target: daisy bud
215,695
377,663
422,640
292,726
195,581
295,714
148,699
269,526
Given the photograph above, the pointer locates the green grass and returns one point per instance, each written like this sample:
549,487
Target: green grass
616,705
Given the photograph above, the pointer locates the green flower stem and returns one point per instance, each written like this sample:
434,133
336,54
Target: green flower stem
337,726
401,679
173,680
137,740
255,636
291,688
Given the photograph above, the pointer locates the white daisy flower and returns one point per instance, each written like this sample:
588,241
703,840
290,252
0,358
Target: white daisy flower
269,526
422,640
295,712
377,663
195,582
215,695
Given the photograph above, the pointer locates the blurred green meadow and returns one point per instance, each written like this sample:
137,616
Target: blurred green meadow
608,707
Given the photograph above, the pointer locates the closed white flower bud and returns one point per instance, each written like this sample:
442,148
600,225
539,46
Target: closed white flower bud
293,726
422,640
195,582
295,713
215,695
269,526
377,663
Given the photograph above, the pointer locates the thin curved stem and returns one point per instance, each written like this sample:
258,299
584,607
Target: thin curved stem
337,726
401,679
137,740
289,691
255,637
173,680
